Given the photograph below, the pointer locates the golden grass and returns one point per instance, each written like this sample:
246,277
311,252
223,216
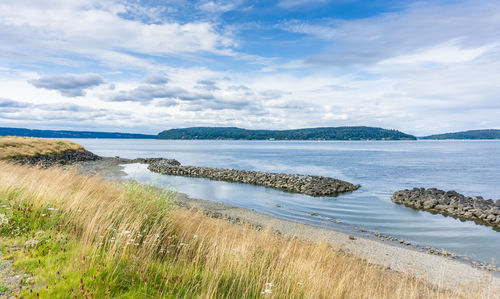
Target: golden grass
23,147
211,257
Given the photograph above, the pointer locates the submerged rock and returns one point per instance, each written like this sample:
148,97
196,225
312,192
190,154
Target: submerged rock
306,184
452,204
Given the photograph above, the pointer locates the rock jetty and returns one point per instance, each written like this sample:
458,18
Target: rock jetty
46,161
306,184
452,204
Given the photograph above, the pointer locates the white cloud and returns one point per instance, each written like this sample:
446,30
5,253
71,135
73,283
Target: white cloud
466,25
156,79
298,3
70,85
445,53
96,28
218,6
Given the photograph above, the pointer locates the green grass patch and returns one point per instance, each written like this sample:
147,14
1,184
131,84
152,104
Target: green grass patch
3,289
59,265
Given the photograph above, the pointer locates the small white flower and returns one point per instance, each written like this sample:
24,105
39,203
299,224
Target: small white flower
269,284
4,219
43,215
267,291
195,237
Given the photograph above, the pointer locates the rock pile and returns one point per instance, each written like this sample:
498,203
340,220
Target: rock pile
63,159
452,204
307,184
158,161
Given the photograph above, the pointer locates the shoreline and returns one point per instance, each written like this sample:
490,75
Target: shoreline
440,270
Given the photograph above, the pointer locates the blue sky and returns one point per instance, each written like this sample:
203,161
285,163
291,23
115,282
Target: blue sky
144,66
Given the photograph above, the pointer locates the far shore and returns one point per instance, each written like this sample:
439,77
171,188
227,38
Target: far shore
439,270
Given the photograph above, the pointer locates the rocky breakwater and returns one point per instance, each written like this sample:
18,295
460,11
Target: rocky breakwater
306,184
452,204
68,158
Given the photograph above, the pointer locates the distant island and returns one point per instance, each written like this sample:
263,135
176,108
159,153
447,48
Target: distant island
326,133
69,134
234,133
472,134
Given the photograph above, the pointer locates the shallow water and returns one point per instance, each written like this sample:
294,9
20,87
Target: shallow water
381,167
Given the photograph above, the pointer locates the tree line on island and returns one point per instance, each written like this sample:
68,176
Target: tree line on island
70,134
472,134
233,133
327,133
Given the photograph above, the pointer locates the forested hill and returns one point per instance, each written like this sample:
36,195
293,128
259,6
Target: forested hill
70,134
327,133
473,134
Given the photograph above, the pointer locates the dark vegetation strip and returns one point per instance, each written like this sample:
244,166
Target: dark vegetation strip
46,161
325,133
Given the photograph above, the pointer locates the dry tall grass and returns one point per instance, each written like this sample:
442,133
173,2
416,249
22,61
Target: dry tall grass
211,257
21,147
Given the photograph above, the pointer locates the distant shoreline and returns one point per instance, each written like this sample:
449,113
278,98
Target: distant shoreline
349,133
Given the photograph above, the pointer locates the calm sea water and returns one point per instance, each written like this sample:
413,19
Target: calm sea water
381,167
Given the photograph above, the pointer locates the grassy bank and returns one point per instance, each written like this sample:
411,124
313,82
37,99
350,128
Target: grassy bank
25,147
90,238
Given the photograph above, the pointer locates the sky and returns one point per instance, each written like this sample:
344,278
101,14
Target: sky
422,67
